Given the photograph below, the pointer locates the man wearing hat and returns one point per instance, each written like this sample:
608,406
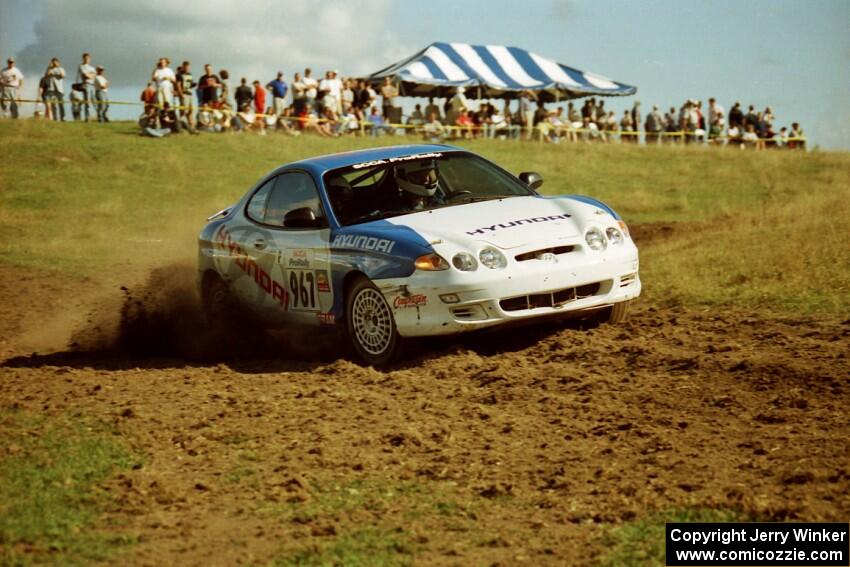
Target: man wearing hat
101,94
11,80
278,88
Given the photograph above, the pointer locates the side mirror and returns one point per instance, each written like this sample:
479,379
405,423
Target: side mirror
302,218
531,178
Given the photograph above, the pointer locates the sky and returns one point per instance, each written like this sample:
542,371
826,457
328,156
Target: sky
793,56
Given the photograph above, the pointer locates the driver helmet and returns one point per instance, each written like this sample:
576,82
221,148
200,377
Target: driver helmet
418,178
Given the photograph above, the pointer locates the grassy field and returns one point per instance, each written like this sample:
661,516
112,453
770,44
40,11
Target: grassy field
760,230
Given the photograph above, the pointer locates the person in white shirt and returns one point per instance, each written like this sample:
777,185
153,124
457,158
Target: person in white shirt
164,79
85,78
11,79
56,89
310,89
332,87
101,92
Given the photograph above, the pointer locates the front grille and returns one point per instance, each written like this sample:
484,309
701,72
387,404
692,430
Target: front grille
536,253
550,299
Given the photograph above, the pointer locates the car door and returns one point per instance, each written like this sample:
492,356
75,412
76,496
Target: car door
293,262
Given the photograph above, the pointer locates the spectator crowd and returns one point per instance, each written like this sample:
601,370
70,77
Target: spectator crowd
175,100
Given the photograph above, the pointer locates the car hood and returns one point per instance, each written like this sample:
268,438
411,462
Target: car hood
504,223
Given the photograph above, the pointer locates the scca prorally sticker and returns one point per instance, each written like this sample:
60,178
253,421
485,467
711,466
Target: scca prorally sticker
362,242
397,159
518,222
298,258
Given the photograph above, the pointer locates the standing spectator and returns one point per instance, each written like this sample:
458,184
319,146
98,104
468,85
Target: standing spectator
85,78
311,87
573,115
600,113
208,86
736,116
715,130
332,86
101,88
259,98
797,139
244,95
224,87
713,109
185,84
77,99
432,109
654,125
626,125
148,97
299,93
278,89
43,100
526,113
388,94
636,121
347,97
164,79
751,118
11,80
56,89
457,104
671,126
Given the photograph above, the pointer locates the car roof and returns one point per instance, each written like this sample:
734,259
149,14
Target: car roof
321,164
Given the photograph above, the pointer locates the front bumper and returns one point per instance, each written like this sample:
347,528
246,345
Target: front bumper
579,281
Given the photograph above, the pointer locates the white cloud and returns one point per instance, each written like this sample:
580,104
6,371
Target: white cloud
251,38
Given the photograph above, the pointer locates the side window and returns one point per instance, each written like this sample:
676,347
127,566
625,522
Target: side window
257,205
282,194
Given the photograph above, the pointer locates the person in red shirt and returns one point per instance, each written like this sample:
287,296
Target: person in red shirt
259,98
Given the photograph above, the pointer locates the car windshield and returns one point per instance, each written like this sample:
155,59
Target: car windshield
387,188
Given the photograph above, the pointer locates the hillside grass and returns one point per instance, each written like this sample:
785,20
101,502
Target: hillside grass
763,230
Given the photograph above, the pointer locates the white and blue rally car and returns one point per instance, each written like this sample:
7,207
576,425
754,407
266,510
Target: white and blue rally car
407,241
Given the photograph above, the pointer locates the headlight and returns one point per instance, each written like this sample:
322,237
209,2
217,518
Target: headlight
431,263
465,262
595,239
614,236
492,258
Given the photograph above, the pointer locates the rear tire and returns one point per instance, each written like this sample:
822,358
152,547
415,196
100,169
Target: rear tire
370,324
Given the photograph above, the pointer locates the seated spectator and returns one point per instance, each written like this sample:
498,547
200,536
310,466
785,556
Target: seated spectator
781,139
378,125
733,136
796,139
590,131
751,138
348,123
416,119
432,108
465,124
433,130
500,126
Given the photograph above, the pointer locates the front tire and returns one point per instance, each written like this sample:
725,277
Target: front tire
370,324
617,313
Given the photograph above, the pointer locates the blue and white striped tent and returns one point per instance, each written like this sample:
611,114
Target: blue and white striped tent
493,71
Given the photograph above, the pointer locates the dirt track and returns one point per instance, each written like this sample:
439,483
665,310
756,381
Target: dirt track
528,442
